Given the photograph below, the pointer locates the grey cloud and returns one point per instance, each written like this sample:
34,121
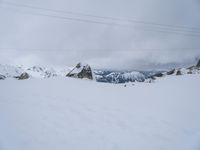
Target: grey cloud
30,39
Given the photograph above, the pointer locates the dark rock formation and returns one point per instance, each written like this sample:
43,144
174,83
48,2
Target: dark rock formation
2,77
23,76
171,72
81,71
198,64
189,72
159,74
153,78
179,73
191,67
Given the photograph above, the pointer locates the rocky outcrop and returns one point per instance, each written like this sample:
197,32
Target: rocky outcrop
156,75
159,74
198,64
23,76
178,73
81,71
171,72
2,77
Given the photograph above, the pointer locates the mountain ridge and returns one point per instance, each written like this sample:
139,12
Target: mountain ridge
85,71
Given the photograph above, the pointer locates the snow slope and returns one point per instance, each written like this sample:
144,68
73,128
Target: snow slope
10,71
70,114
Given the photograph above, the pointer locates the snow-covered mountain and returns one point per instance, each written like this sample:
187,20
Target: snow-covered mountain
140,76
82,70
121,77
41,72
8,71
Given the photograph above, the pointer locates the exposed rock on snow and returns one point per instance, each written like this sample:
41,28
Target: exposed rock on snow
23,76
198,64
190,70
159,74
171,72
81,71
2,77
178,73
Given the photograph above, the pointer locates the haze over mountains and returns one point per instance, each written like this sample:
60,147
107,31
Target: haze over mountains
161,33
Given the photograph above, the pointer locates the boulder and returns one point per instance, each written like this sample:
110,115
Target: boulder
23,76
81,71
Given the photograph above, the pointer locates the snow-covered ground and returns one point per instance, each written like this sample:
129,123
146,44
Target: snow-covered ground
71,114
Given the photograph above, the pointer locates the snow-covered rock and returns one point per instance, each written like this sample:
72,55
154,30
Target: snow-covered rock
35,72
10,71
41,72
171,72
2,77
81,71
23,76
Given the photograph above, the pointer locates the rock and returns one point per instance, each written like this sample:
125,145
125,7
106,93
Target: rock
36,69
198,64
189,72
159,74
150,80
23,76
81,71
192,68
2,77
179,73
153,78
171,72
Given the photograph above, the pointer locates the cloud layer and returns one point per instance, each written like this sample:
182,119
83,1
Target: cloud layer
28,37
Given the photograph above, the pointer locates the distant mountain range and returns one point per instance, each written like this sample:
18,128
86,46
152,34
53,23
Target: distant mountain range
85,71
122,76
8,71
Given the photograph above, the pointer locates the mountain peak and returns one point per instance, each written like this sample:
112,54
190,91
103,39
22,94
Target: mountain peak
82,70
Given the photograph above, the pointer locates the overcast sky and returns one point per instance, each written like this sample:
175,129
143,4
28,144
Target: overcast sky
35,36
